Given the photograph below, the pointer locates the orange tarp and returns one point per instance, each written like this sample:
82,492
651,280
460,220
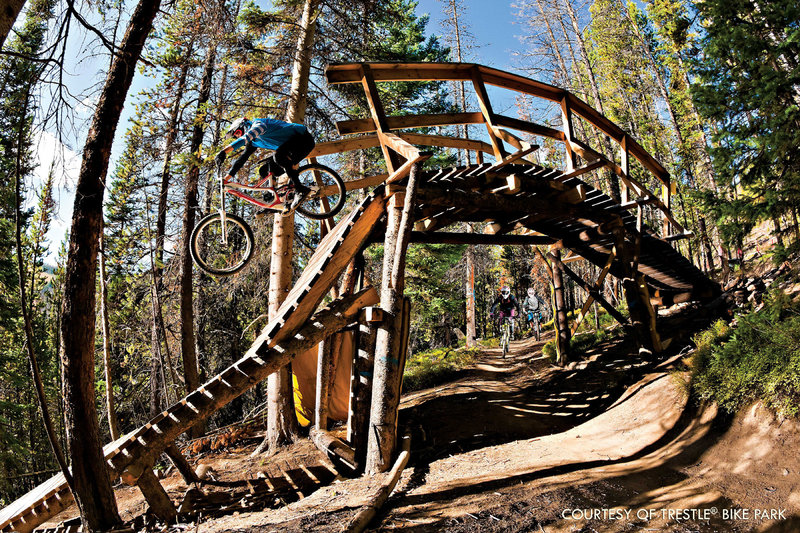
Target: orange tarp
304,370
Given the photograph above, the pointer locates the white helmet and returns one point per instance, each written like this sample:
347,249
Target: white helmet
531,292
238,127
505,291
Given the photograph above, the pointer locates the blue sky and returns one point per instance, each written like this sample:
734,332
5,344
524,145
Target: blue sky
491,22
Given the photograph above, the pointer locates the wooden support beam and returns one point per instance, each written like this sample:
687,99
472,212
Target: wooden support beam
441,237
341,454
598,284
569,137
157,498
560,326
388,371
181,464
378,114
405,169
595,293
594,165
488,115
325,353
642,315
560,322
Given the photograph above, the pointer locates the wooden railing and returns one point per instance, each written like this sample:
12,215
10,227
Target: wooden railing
380,130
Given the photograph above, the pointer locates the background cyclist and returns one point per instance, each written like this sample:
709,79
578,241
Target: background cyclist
507,305
531,306
291,142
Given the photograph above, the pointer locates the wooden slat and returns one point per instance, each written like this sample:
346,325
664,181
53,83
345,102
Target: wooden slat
367,125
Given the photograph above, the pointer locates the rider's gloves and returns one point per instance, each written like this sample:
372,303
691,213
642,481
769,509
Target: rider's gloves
220,157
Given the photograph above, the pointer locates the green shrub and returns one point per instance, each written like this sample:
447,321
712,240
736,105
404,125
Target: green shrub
759,360
432,367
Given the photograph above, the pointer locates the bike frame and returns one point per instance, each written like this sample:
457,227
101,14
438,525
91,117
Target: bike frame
234,188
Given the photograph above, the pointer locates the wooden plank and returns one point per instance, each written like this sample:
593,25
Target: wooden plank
345,145
441,237
343,253
445,141
529,127
368,125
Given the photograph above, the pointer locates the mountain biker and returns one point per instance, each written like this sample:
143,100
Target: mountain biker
507,304
291,142
531,306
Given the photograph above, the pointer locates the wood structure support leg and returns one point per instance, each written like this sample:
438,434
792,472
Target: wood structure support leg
559,308
642,314
156,496
324,371
382,437
181,464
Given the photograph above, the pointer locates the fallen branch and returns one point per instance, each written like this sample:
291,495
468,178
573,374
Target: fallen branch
368,511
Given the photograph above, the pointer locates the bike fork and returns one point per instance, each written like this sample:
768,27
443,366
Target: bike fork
223,219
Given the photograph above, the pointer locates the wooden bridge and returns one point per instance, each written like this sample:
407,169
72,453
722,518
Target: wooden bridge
523,202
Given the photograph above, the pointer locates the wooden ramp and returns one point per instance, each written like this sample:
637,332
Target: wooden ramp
294,330
550,204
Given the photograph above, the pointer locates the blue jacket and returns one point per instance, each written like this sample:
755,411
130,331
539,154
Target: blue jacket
267,133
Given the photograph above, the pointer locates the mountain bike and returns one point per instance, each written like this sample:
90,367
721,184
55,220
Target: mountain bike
222,243
534,318
506,330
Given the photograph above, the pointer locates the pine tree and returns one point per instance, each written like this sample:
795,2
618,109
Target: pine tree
748,85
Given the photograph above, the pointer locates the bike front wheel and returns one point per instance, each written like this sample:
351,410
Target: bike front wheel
218,256
327,194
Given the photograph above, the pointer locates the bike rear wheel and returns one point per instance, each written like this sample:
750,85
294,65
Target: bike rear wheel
327,194
216,257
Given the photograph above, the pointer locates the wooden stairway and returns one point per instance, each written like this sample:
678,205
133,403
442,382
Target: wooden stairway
292,331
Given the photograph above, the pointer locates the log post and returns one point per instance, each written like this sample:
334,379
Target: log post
642,314
382,436
156,496
560,322
324,372
181,464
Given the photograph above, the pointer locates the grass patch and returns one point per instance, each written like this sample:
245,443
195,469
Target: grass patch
433,367
758,360
578,345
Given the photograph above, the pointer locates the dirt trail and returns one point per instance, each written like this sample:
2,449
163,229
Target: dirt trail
609,443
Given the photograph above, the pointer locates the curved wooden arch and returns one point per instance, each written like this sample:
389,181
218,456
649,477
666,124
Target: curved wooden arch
384,131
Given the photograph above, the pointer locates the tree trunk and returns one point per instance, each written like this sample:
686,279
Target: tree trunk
188,352
281,421
93,492
470,288
8,15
